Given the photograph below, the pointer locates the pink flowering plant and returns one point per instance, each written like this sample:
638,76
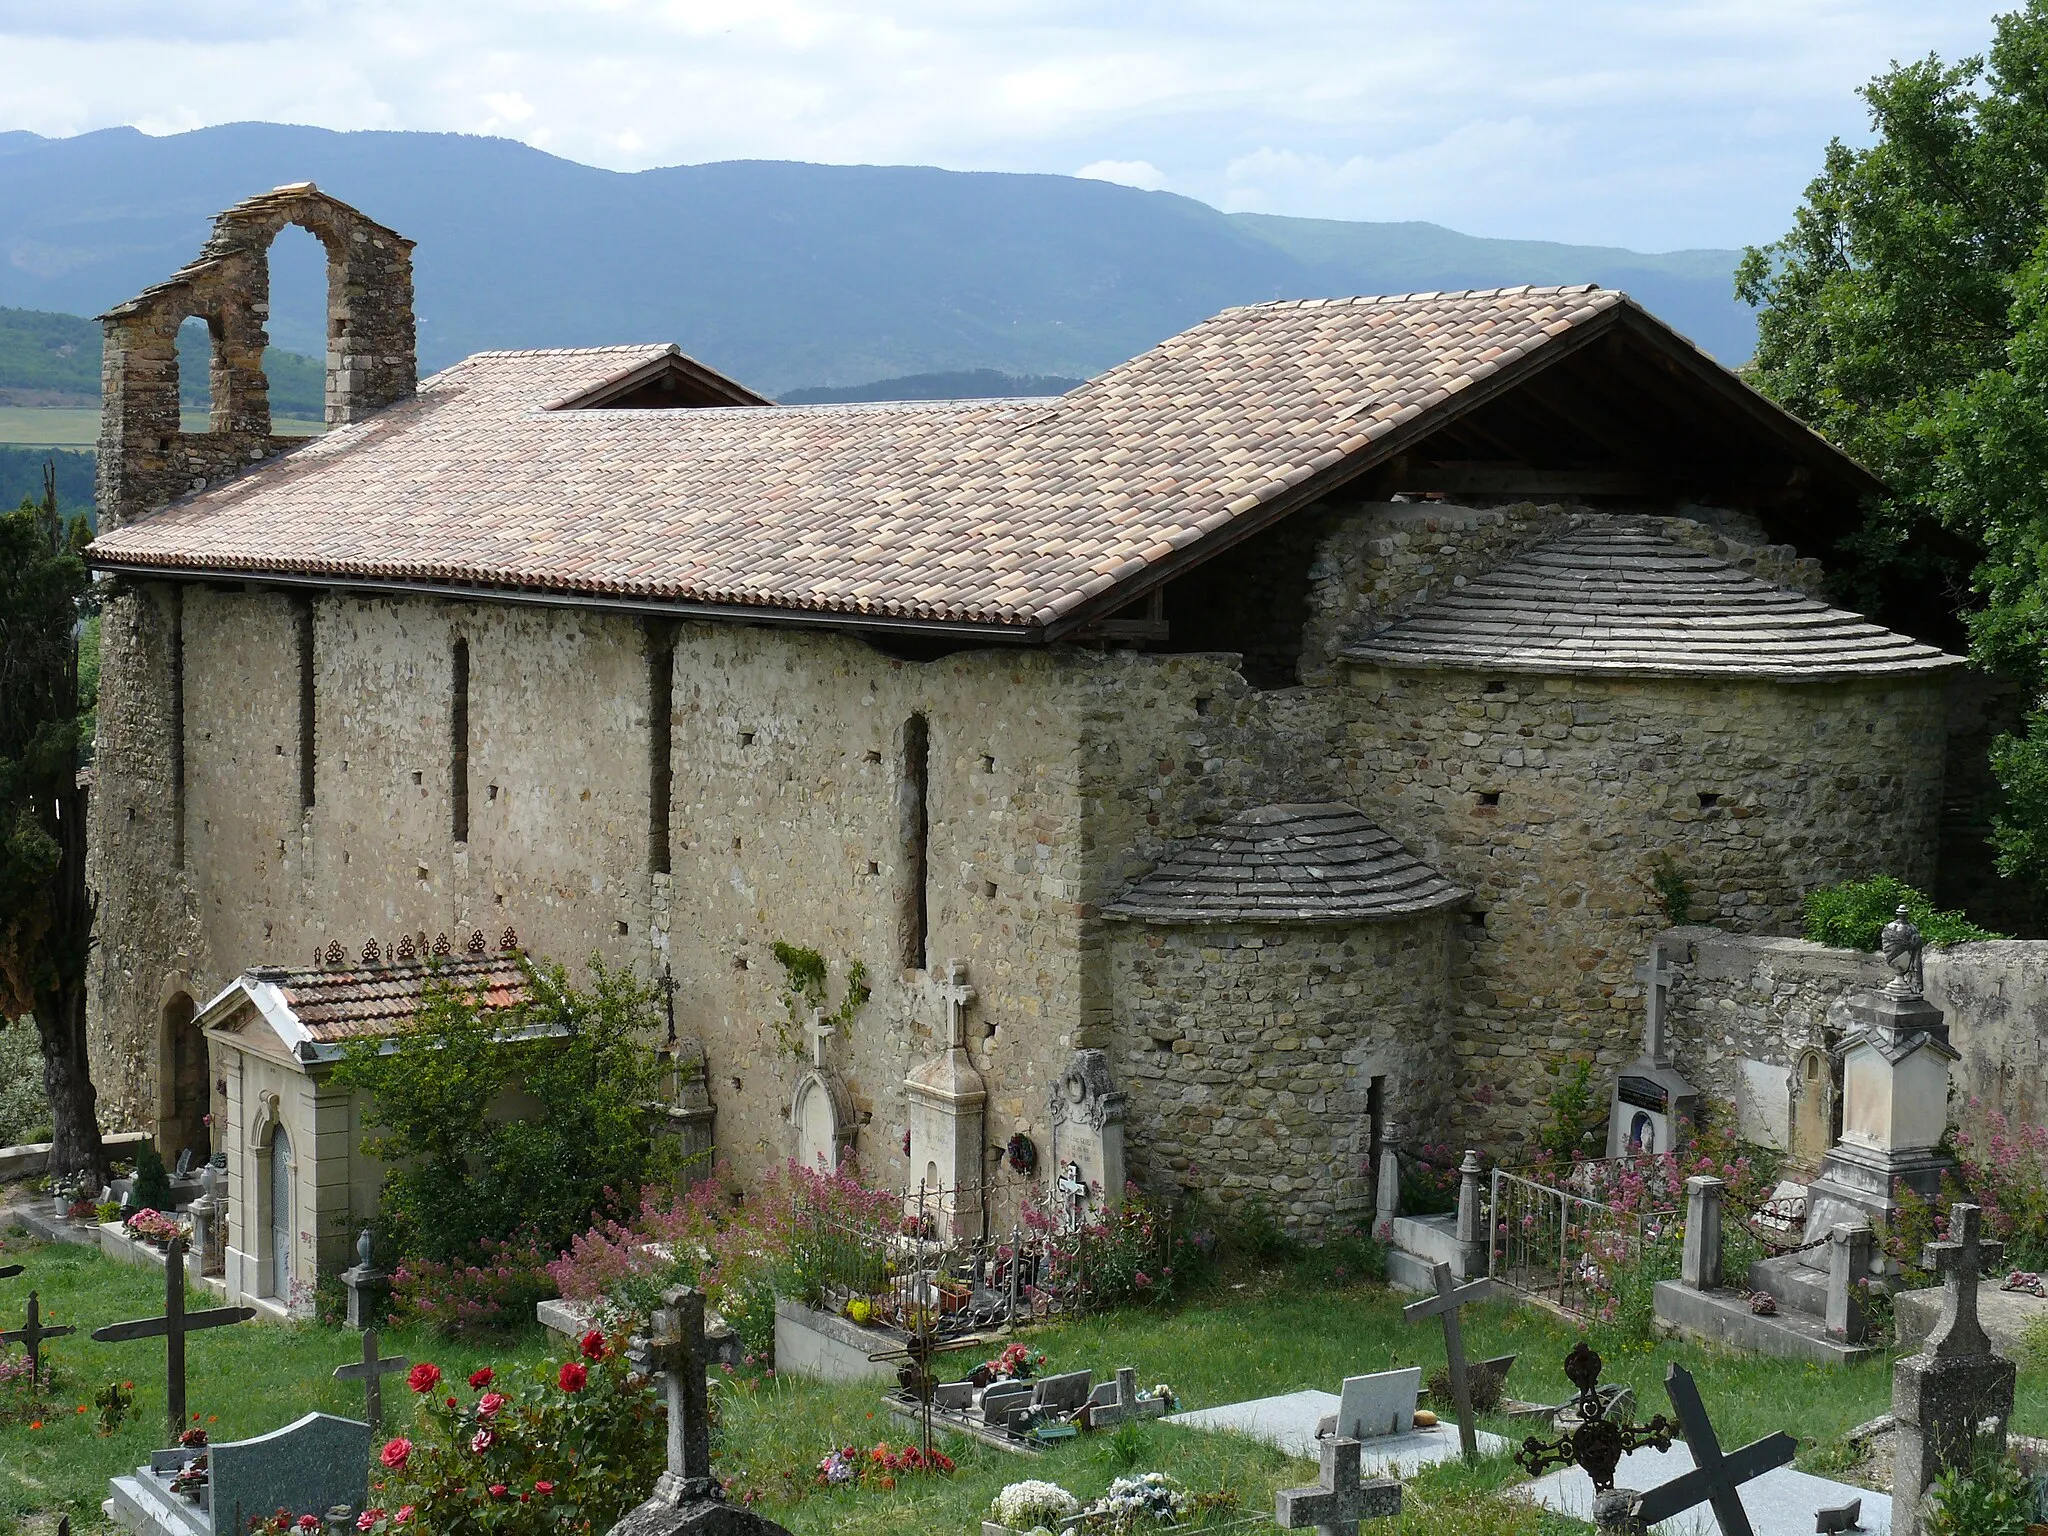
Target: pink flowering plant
1123,1254
569,1447
495,1292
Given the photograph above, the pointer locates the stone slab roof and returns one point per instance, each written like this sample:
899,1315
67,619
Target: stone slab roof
327,1005
1616,597
1288,864
996,515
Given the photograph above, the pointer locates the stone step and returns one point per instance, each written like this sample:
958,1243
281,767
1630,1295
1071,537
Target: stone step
1796,1287
1723,1317
1433,1239
138,1504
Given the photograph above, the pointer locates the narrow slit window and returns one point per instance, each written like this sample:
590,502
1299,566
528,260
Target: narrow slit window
307,701
458,745
177,637
661,677
917,827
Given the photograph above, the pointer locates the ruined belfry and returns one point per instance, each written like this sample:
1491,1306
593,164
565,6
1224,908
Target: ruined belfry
1280,731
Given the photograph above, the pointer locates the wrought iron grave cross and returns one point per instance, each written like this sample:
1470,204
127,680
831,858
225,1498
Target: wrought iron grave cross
1714,1477
1339,1499
172,1328
1959,1262
370,1371
956,994
1598,1444
33,1336
1445,1304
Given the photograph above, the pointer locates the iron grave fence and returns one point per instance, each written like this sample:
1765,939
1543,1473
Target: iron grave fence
1555,1238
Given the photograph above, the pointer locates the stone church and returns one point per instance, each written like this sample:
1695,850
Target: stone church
1300,715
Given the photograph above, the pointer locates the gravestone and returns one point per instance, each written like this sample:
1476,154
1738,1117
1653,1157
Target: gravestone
172,1328
1000,1397
820,1111
688,1499
313,1463
371,1371
1113,1402
365,1284
31,1337
946,1098
1715,1477
1380,1404
1650,1098
1340,1499
1087,1113
1953,1400
1063,1393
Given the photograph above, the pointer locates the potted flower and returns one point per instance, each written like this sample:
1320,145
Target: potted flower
1029,1506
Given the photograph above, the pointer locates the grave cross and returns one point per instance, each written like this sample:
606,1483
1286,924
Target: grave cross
33,1336
1959,1261
1339,1500
370,1371
1714,1477
1445,1304
673,1349
172,1328
820,1032
1656,976
956,994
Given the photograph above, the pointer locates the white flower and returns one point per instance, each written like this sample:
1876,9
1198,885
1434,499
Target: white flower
1034,1503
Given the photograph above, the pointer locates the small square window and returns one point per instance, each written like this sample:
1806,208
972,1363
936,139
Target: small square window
988,889
1496,686
1708,801
874,756
874,867
1489,797
988,764
746,738
622,930
417,776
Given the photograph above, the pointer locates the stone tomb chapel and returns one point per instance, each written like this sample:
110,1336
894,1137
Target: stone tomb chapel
1293,714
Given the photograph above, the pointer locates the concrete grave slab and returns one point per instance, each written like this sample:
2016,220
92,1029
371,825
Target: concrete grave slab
1382,1403
1289,1422
1064,1393
1782,1502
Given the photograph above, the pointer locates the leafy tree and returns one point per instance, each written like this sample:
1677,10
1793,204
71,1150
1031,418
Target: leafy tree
529,1121
46,913
1906,316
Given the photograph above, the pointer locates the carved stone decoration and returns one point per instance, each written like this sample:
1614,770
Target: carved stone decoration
1086,1109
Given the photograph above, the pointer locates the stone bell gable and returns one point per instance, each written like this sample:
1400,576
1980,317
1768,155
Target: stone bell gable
145,459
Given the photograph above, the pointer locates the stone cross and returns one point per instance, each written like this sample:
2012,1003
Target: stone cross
673,1349
1714,1478
1339,1500
370,1371
1953,1400
820,1032
172,1328
1445,1304
1656,976
33,1336
1959,1262
956,994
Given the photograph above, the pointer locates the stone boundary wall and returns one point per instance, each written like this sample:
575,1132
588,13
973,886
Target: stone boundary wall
1744,1006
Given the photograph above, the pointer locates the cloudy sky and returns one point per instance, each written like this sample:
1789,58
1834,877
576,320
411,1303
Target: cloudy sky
1655,124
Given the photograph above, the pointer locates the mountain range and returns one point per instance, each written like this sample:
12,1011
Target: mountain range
788,276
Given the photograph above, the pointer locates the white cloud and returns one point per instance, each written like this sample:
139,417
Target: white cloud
1690,122
1142,174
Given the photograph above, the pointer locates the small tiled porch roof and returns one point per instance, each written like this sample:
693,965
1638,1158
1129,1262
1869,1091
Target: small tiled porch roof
315,1009
1618,598
1288,864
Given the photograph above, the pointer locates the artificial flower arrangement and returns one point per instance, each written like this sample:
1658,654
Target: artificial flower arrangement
1148,1498
880,1466
151,1226
1017,1362
1034,1505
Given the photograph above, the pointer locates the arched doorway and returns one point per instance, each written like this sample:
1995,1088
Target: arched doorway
277,1237
186,1100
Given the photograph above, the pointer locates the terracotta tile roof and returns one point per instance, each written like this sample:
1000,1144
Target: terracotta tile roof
1619,598
1288,864
1006,513
363,1002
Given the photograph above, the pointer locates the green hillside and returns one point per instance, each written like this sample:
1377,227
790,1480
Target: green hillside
21,475
48,359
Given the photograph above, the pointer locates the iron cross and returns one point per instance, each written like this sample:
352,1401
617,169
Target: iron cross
1445,1304
33,1336
1714,1478
172,1328
371,1371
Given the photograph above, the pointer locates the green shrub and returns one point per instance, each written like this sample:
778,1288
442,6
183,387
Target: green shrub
1993,1499
459,1173
1674,890
24,1112
1852,915
152,1180
1578,1120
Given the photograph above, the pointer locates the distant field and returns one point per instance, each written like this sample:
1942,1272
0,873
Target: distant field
34,428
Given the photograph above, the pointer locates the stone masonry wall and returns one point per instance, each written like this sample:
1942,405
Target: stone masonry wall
1249,1054
1595,780
1743,1005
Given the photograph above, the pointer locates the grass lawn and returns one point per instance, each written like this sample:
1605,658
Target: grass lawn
38,427
1272,1334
